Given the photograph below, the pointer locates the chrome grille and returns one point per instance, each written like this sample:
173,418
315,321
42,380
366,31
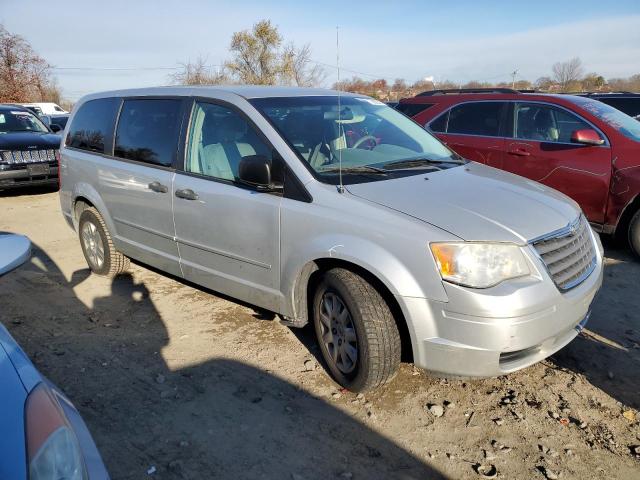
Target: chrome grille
28,156
569,254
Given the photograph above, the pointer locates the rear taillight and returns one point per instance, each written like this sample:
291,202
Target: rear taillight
57,155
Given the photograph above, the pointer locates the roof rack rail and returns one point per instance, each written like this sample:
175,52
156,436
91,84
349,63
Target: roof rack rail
430,93
617,92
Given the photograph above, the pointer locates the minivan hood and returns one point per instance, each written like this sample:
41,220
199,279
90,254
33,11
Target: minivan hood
28,140
475,202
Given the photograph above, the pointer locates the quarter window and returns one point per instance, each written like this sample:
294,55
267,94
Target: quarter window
476,118
544,123
413,109
218,140
439,125
148,131
92,125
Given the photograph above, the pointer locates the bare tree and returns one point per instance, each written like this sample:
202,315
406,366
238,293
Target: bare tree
567,74
24,75
299,68
199,73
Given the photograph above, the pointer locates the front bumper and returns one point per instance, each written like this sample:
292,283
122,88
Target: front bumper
495,331
22,176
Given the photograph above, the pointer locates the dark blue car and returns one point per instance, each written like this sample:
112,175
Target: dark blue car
42,436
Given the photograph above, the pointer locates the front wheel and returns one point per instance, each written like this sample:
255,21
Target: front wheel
357,333
634,233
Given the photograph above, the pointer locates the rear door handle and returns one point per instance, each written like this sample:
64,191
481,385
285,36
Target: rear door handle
158,187
520,152
187,194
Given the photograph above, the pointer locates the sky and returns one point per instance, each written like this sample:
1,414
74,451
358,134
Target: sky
110,44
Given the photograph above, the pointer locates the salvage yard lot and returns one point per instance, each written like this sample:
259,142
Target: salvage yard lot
177,382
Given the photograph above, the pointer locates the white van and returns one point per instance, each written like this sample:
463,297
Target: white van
46,108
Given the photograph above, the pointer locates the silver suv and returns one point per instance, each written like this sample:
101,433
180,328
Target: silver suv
335,210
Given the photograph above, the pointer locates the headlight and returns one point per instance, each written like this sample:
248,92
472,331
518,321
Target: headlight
479,265
51,443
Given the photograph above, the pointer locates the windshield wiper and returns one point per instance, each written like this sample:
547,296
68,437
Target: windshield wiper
358,169
417,162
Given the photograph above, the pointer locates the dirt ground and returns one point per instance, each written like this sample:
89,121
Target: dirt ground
177,382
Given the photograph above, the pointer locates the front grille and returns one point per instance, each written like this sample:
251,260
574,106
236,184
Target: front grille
569,254
16,157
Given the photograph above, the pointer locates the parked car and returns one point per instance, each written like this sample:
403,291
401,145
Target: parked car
577,145
60,120
337,210
43,436
46,108
28,149
627,102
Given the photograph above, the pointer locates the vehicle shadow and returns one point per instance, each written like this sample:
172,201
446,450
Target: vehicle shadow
28,190
608,351
220,418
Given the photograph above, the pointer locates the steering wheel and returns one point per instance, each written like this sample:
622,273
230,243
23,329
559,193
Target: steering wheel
366,138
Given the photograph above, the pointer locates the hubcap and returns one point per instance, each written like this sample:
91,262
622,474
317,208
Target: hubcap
338,332
93,246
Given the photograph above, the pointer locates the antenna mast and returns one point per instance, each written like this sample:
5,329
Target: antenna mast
340,185
513,78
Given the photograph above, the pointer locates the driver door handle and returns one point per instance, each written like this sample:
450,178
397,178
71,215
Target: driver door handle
187,194
157,187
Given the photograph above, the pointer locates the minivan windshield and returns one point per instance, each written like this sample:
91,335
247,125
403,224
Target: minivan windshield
20,121
369,139
623,123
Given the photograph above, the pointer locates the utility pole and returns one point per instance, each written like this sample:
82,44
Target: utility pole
513,78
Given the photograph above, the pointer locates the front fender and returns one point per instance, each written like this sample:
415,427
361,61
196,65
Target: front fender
401,278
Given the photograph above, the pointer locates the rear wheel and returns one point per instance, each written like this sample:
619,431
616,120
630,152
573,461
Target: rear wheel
97,246
634,233
357,333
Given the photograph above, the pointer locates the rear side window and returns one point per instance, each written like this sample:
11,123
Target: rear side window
92,126
412,109
148,131
477,118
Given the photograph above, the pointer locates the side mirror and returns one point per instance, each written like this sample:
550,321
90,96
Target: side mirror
55,128
255,171
46,119
587,136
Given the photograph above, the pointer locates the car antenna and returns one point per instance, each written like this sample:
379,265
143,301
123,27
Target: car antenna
340,184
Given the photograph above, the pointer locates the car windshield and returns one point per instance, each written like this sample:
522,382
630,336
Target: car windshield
623,123
20,121
371,140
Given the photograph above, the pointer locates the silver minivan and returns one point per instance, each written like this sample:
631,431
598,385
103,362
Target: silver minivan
337,210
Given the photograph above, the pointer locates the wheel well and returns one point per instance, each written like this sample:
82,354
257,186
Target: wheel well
625,218
318,267
79,204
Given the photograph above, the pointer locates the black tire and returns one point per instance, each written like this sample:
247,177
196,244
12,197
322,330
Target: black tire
377,338
113,262
634,233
